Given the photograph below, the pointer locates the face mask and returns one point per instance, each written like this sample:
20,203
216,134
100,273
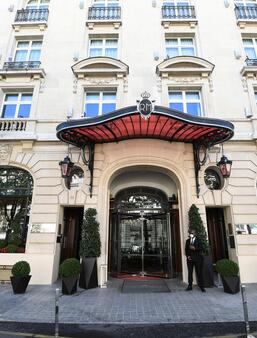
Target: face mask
191,235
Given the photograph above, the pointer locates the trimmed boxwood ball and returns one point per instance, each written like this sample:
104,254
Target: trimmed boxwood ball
69,268
11,248
227,268
2,243
21,269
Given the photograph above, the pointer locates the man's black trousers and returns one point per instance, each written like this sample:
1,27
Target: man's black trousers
198,263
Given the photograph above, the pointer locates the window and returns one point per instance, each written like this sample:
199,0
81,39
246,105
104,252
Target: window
99,103
251,3
106,3
250,47
186,101
103,47
37,4
213,179
179,46
175,2
28,51
16,105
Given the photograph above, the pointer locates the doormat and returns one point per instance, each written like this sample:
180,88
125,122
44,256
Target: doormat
149,286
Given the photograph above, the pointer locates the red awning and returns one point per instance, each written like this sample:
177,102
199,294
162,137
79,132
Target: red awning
163,124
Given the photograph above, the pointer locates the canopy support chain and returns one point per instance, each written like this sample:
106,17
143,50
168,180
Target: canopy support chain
200,157
88,160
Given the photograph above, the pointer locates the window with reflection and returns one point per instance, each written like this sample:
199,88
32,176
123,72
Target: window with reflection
76,179
16,187
213,179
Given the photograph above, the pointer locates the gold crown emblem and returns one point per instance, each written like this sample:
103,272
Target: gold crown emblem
145,95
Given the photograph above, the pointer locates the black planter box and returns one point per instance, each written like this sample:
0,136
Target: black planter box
231,284
19,284
88,275
69,285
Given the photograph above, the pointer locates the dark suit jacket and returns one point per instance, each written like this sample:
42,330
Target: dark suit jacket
198,252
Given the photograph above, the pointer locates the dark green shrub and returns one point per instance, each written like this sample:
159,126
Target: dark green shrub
14,240
90,245
11,248
2,243
69,268
21,269
227,268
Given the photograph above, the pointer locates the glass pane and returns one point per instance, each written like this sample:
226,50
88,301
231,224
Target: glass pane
175,96
35,55
177,106
172,42
23,44
194,109
187,51
248,42
111,42
192,96
187,42
111,52
250,53
26,97
108,107
24,110
36,44
109,97
96,52
92,97
96,43
21,55
9,111
11,97
171,52
91,109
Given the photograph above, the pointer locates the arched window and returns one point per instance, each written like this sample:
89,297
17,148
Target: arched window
37,4
16,186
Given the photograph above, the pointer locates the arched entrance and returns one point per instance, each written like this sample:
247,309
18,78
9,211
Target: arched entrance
144,233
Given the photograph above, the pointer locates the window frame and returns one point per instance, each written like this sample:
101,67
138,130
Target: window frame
184,101
103,47
106,3
253,46
39,5
18,103
29,49
244,3
99,102
179,45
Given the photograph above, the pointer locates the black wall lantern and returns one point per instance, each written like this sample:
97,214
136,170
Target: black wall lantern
225,166
66,166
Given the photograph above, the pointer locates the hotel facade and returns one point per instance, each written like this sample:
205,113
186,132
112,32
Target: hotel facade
144,98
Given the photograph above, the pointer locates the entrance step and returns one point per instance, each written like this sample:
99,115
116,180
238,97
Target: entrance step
145,286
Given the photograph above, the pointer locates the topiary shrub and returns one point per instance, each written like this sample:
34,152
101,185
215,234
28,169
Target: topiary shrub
2,243
11,248
21,269
227,268
69,268
90,245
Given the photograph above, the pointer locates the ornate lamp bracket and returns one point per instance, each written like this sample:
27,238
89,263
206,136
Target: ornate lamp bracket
87,155
200,157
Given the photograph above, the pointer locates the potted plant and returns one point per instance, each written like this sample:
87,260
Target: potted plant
195,222
69,272
90,249
20,276
229,272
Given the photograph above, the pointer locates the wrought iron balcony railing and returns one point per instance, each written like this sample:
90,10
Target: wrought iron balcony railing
178,12
21,65
104,13
31,15
251,62
246,12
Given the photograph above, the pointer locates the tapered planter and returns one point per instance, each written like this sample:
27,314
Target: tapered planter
88,275
207,272
19,284
69,285
231,284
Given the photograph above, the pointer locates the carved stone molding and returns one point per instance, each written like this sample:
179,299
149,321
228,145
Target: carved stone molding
5,152
96,81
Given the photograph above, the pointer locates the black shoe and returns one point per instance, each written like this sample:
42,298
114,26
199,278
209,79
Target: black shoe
203,289
189,288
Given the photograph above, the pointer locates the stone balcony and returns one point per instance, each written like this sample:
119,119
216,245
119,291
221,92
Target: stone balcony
17,129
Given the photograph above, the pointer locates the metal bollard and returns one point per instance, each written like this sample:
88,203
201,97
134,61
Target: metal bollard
57,296
246,318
